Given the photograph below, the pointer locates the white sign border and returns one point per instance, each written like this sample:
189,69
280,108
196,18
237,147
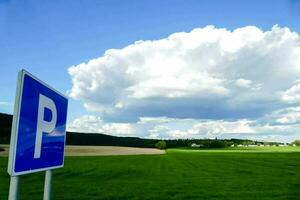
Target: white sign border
15,127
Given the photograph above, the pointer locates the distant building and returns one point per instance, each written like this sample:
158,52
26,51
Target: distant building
195,145
252,145
282,145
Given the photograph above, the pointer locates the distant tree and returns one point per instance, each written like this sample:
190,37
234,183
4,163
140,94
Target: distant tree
161,145
217,144
297,142
229,143
248,142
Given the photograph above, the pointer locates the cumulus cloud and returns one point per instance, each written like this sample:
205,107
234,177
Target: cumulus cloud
243,83
227,80
201,129
292,95
94,124
289,115
174,128
208,72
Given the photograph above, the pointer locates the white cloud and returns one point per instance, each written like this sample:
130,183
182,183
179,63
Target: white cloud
289,115
121,129
245,129
292,95
204,83
201,129
155,120
243,83
159,132
94,124
87,124
173,128
242,71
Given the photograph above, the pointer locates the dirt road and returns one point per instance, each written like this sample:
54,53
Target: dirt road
99,151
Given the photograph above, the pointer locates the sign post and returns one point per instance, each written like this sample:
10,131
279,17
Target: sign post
47,187
13,188
38,132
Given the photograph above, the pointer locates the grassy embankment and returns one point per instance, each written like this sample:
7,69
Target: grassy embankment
179,174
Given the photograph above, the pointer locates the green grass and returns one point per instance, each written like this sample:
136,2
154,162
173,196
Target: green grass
241,149
180,174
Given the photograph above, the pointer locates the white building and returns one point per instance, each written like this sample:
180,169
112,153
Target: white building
195,145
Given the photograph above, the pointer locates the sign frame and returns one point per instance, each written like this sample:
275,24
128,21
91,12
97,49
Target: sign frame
15,126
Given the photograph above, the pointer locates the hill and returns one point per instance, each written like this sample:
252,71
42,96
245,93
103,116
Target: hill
5,128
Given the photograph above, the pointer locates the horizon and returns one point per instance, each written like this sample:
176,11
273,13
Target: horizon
177,70
165,139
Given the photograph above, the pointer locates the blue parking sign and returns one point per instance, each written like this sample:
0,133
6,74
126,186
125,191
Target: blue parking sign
39,127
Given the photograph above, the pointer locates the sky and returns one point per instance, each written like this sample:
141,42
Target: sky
161,69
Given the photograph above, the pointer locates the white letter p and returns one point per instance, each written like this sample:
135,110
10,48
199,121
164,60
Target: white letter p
42,125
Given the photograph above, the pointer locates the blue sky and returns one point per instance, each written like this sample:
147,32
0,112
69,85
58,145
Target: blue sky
48,37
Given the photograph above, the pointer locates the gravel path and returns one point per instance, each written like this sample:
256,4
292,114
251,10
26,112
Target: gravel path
99,150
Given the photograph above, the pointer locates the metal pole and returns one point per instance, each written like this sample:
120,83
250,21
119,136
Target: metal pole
47,187
13,188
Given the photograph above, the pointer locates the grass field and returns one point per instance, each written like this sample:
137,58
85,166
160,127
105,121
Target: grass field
179,174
